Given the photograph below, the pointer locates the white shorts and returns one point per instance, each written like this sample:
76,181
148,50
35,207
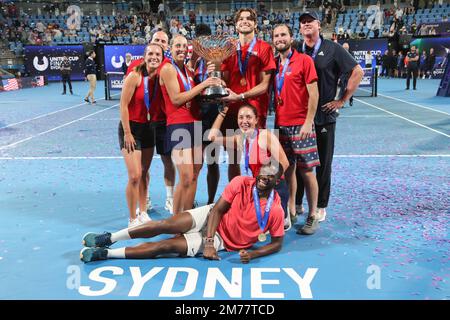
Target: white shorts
194,237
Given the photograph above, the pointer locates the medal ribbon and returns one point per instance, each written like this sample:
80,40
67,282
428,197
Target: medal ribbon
316,48
262,222
186,83
243,67
247,148
280,78
147,98
202,70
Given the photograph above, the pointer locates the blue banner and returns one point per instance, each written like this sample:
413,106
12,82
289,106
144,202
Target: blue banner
115,56
46,61
115,82
359,48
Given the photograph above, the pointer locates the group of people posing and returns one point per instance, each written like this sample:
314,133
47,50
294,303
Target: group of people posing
161,106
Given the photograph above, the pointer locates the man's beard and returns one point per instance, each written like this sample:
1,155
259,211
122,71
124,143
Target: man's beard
286,48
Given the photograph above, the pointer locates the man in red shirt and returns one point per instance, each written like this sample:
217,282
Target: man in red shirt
248,209
296,97
247,74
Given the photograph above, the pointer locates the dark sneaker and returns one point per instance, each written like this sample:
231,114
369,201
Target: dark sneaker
71,92
93,254
310,226
93,240
86,99
63,93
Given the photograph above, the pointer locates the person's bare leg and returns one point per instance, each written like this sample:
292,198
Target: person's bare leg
175,224
147,156
151,250
133,164
291,180
311,189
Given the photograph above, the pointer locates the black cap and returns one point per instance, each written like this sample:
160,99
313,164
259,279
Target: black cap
311,14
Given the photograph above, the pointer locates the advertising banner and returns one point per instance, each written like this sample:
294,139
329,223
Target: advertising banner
359,49
115,56
46,61
441,47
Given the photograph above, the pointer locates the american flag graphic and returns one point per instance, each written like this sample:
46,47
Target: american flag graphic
10,84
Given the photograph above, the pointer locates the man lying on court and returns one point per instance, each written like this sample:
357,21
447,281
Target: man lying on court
247,209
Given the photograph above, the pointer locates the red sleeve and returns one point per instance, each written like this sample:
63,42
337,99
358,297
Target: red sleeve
232,189
309,70
267,58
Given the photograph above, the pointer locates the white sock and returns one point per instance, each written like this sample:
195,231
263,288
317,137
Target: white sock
120,235
116,253
169,191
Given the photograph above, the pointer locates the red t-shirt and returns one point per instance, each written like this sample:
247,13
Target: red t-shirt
294,94
239,227
181,114
260,60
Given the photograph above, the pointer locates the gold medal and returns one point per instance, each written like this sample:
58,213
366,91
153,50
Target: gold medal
280,101
243,82
262,237
148,116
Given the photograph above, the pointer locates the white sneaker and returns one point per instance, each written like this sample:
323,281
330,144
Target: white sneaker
149,203
321,214
133,223
299,209
169,205
143,217
287,221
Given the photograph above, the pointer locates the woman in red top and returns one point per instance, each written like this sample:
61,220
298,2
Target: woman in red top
260,146
140,92
183,115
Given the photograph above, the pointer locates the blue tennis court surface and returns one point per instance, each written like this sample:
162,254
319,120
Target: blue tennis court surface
386,235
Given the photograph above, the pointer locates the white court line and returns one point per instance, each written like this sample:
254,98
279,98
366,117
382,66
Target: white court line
157,157
49,114
118,119
411,103
58,127
375,116
412,121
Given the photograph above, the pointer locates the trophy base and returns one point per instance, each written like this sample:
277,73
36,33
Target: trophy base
213,93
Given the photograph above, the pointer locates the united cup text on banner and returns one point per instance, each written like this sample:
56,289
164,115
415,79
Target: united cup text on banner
115,56
46,61
359,48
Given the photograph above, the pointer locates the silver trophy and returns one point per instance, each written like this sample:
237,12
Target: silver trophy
214,49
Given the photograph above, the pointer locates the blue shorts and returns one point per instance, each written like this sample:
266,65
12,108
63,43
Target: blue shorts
183,136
